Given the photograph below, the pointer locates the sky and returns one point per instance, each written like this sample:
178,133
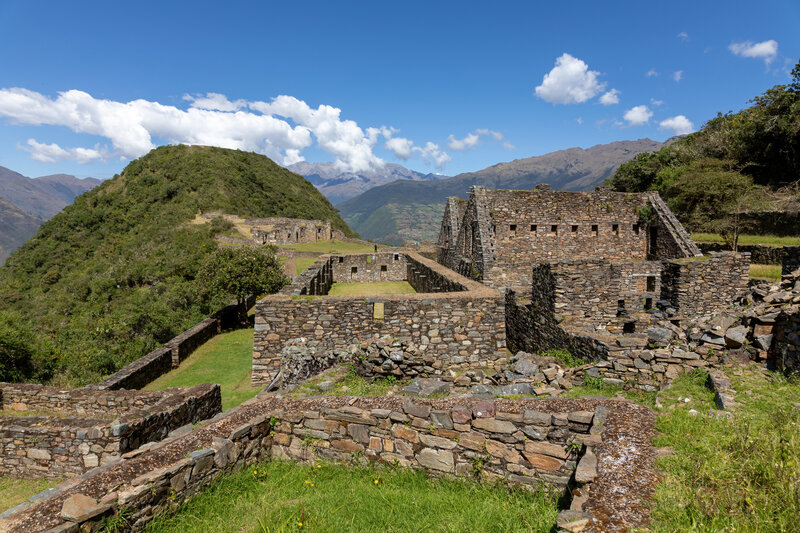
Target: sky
445,87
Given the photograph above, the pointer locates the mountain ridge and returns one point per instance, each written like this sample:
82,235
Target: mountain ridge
404,210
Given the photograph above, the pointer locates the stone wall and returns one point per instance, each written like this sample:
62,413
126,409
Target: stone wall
369,268
161,360
600,289
524,442
760,254
89,427
464,329
533,328
288,230
784,352
448,233
703,285
791,259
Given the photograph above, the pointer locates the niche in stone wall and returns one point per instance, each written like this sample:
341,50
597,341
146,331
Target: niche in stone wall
554,229
533,228
574,230
615,229
595,230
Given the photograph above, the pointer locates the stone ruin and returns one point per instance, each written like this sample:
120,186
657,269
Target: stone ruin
288,230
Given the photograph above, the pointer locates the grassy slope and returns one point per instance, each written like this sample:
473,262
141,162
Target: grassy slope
111,277
280,496
225,359
767,240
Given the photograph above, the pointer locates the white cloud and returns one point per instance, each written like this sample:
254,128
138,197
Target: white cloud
472,140
281,128
637,116
683,36
610,98
679,125
50,153
766,50
656,102
432,154
579,120
677,75
651,73
569,82
468,142
400,147
214,102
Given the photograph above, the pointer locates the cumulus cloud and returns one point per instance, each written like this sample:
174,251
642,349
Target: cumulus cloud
677,75
50,153
402,148
651,73
610,98
432,154
280,128
678,125
766,50
569,82
472,139
683,36
638,115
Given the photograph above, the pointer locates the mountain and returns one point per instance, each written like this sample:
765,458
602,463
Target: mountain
27,202
17,227
338,186
112,276
42,197
412,210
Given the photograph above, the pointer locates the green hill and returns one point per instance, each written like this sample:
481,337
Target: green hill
18,226
744,163
112,276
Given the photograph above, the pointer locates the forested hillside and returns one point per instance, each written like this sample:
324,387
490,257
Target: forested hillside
113,275
738,168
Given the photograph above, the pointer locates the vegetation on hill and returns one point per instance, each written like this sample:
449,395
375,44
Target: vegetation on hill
737,166
113,275
17,227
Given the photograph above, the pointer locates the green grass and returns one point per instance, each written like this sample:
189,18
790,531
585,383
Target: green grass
564,357
331,247
225,359
769,240
597,387
14,491
302,263
371,289
347,382
770,272
280,496
739,474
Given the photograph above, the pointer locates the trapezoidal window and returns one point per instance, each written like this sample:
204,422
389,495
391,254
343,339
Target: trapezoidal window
615,229
574,230
595,230
383,268
512,229
341,259
636,229
554,229
354,270
533,228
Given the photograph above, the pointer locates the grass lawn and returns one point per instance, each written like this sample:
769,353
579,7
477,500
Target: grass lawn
770,272
302,263
738,474
280,496
331,247
371,289
770,240
225,359
14,491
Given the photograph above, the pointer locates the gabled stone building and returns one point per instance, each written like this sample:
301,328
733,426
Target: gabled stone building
496,236
279,230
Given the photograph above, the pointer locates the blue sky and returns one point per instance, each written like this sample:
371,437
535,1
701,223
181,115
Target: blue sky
435,86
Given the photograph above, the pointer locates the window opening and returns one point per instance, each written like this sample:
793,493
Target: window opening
594,230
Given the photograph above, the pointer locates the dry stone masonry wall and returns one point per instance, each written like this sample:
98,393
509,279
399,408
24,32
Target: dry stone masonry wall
525,442
698,286
288,230
72,431
462,329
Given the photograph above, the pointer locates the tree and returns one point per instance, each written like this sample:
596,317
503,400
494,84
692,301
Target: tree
241,272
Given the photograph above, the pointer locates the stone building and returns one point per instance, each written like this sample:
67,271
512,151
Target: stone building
496,236
288,230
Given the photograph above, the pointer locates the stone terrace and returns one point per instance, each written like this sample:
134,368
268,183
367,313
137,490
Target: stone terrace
90,427
460,322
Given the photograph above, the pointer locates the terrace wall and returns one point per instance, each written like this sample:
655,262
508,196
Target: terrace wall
524,442
98,426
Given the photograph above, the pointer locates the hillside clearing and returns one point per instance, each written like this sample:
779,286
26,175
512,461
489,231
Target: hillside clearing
766,240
